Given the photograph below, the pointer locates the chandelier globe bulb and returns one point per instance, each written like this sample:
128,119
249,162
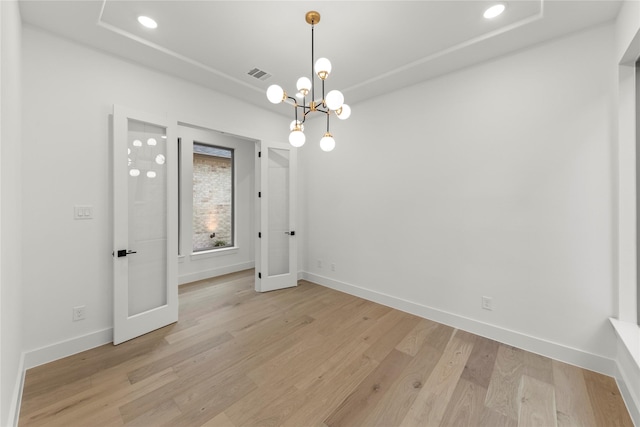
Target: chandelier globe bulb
323,68
296,124
275,94
327,143
334,100
343,112
297,137
303,85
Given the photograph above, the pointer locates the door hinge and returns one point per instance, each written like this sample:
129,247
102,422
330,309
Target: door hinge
259,193
259,153
259,235
259,275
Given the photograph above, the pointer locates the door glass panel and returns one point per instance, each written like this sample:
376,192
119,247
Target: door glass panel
147,182
279,239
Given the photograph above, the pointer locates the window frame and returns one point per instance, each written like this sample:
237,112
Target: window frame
229,248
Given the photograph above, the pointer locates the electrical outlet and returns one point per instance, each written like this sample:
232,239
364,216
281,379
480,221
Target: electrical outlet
487,303
78,313
319,263
333,267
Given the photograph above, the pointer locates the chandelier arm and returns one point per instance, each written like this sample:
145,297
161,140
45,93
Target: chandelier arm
328,115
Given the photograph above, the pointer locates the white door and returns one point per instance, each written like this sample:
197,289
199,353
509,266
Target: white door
276,256
145,287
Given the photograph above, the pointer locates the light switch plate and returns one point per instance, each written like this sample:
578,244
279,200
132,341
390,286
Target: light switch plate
83,212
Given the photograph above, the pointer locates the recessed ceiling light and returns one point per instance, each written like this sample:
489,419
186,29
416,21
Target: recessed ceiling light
147,22
494,11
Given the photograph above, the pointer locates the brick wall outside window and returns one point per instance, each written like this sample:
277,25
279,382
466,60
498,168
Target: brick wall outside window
212,202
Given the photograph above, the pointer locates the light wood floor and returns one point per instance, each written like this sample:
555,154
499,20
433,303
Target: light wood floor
311,356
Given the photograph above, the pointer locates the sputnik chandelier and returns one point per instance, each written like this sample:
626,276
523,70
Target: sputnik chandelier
332,102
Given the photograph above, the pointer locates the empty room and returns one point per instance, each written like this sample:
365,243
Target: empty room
319,213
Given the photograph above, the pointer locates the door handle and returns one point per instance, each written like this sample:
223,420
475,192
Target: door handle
290,233
124,252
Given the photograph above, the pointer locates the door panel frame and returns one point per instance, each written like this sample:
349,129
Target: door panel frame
265,282
126,327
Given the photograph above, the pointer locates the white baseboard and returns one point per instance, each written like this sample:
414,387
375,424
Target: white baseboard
215,272
66,348
540,346
16,398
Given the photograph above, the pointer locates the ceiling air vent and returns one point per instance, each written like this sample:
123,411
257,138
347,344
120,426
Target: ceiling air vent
259,74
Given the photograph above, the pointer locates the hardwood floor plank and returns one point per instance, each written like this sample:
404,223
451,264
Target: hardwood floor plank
138,406
278,336
415,339
155,416
174,358
491,418
608,407
431,403
481,362
537,403
381,347
502,392
328,391
538,367
572,400
368,393
342,317
48,377
220,320
220,420
317,348
208,399
63,392
393,406
309,356
97,401
465,406
276,412
341,367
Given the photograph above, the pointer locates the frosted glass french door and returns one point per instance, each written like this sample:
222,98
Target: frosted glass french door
145,223
276,259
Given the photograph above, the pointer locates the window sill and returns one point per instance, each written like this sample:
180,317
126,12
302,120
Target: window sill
214,253
629,334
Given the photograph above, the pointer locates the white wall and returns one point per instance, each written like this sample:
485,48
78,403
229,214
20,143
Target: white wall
10,211
68,95
202,265
493,181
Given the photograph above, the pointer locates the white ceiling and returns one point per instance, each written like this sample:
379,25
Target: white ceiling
375,46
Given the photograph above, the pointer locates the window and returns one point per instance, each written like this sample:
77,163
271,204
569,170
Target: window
213,197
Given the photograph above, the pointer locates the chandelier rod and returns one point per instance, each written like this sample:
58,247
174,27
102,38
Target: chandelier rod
313,86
